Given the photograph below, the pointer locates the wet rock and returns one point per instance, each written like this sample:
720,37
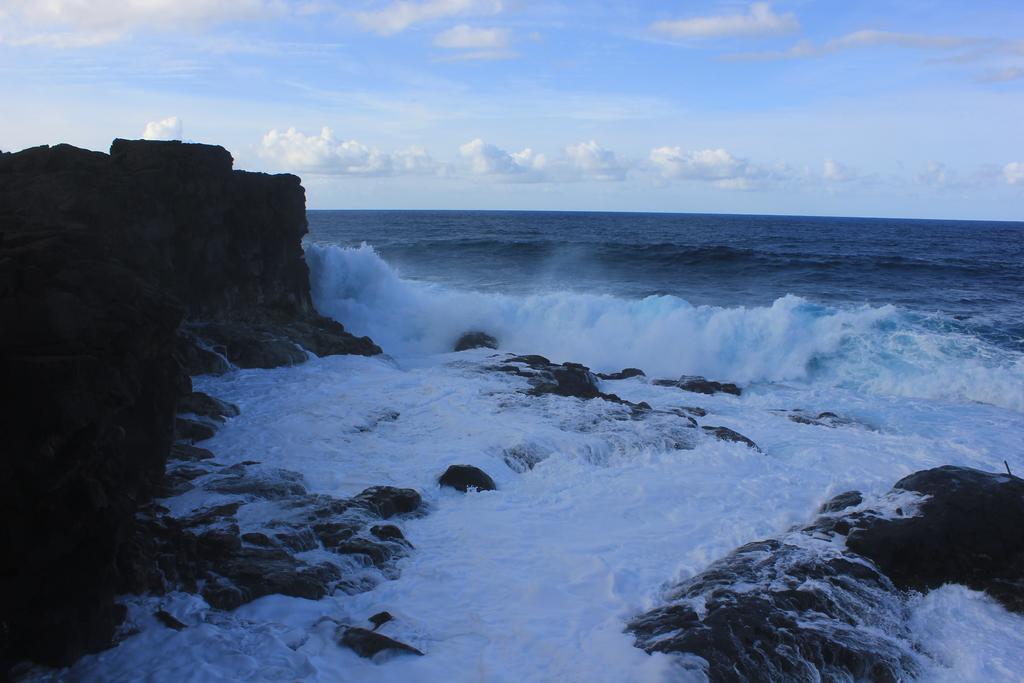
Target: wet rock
700,385
476,340
388,501
842,501
523,457
775,611
187,429
726,434
366,643
622,374
464,477
263,484
380,619
169,620
204,405
825,419
387,532
196,358
970,530
189,453
259,539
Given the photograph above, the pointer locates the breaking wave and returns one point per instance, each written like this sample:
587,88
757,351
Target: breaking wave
879,349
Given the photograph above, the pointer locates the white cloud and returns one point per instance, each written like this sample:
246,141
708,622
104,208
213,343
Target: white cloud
836,172
88,23
487,159
590,160
863,39
294,151
1010,73
1014,173
582,161
465,37
759,21
401,14
716,166
164,129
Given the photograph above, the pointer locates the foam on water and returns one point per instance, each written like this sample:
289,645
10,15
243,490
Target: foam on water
877,349
537,580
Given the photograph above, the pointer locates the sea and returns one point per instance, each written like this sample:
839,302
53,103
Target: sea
912,331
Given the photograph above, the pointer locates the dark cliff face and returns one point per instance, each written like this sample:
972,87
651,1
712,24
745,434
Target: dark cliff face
101,259
225,243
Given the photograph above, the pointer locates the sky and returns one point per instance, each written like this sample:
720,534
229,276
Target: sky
823,107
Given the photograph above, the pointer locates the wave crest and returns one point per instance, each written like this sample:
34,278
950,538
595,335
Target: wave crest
878,349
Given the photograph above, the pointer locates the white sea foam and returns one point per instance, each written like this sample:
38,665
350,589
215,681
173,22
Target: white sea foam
881,350
535,581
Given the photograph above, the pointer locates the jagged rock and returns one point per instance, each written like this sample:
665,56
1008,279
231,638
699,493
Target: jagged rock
187,429
272,484
726,434
842,501
970,530
204,405
366,643
380,619
169,620
700,385
387,532
804,607
388,501
476,340
622,374
464,477
825,419
776,611
189,453
196,359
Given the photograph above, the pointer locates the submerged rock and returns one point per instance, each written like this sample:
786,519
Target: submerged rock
366,643
842,501
726,434
700,385
464,477
476,340
622,374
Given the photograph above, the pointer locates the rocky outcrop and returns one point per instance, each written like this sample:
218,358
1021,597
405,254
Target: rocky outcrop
805,607
475,340
622,374
101,259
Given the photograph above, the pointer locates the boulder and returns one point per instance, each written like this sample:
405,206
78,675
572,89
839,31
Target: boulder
476,340
465,477
969,530
380,619
366,643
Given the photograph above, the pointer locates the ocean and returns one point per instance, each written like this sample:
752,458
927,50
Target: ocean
912,332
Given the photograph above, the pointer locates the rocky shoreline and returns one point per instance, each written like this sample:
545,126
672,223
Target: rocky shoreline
124,275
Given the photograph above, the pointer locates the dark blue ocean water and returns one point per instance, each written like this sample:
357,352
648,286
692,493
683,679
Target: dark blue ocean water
967,275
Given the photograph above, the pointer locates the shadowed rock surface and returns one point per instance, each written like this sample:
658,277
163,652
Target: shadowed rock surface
726,434
101,258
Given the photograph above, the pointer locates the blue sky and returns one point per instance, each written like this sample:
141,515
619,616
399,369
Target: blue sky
804,107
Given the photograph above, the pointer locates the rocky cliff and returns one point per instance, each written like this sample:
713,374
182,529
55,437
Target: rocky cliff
118,273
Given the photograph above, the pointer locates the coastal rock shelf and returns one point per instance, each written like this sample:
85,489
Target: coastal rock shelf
824,601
